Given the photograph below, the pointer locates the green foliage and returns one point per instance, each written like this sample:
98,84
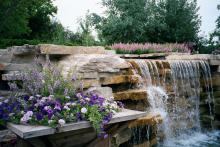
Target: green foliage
24,19
149,21
39,22
11,42
95,117
215,36
85,30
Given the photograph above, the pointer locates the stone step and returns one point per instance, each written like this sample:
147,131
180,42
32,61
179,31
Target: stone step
150,119
120,79
137,94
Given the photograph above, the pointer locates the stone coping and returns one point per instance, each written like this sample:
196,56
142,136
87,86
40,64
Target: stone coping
27,131
172,56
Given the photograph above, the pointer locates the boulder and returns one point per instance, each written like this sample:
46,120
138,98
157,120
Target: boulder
93,63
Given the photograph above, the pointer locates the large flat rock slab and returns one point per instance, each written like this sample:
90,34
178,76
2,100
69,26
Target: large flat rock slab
134,94
100,63
16,67
119,79
194,57
70,50
27,131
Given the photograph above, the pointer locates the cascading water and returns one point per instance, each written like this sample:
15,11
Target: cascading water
157,96
180,111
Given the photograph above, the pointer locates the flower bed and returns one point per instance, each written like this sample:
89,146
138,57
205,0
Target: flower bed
53,100
147,48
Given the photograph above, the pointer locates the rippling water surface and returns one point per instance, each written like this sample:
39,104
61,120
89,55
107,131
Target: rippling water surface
196,139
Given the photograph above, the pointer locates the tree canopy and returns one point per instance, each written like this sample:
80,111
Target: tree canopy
150,21
25,19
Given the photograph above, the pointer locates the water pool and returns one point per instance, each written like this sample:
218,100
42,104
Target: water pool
196,139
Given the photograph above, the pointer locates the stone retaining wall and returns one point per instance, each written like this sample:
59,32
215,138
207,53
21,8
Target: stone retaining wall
105,73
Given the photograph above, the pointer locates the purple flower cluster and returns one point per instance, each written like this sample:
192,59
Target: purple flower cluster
53,111
51,100
98,110
153,47
8,107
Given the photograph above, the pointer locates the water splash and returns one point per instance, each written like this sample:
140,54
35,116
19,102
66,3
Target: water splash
180,112
157,96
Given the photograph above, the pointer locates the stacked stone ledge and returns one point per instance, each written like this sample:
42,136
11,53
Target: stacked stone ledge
104,73
100,70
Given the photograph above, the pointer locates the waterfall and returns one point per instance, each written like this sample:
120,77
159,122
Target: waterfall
157,96
180,110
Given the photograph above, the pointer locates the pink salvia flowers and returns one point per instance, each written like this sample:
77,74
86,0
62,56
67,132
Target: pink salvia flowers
153,47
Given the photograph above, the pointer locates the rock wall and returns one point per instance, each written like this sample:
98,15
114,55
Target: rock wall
105,73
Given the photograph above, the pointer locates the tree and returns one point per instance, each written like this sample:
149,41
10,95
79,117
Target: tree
25,18
13,18
125,21
40,22
85,30
215,36
182,20
150,21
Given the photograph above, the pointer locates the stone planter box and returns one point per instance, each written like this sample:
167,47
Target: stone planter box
27,131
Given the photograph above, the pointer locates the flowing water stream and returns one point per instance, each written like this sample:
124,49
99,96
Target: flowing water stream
176,97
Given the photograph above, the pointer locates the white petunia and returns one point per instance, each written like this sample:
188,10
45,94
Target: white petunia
31,98
61,122
50,121
84,110
66,107
67,97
